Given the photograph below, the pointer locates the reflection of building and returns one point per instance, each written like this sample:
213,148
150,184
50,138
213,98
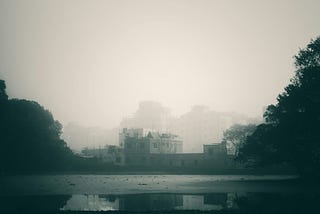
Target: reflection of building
204,202
91,203
149,202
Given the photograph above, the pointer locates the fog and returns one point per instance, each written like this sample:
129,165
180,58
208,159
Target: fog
93,61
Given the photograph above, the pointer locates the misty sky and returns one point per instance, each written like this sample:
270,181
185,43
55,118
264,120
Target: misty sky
92,61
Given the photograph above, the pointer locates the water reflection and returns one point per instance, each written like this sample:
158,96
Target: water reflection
144,202
91,203
248,202
24,204
200,202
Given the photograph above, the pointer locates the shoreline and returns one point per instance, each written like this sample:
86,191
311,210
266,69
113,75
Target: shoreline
139,171
140,184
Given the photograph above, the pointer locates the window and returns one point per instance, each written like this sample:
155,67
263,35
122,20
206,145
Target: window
155,145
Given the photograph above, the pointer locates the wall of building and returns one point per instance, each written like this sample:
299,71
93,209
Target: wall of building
108,154
215,149
184,160
214,156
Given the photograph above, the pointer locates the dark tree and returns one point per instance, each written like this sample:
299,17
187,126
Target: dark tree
3,93
291,133
29,137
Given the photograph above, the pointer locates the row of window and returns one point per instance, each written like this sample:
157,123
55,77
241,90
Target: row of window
155,145
171,163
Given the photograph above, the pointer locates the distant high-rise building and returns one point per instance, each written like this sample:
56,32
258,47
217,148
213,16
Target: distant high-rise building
203,126
150,115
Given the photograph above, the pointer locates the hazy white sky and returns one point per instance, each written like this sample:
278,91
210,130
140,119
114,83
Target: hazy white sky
92,61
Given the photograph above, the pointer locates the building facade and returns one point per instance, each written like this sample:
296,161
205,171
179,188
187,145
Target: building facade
145,148
145,141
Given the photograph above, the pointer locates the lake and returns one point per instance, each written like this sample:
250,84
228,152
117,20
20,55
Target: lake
156,193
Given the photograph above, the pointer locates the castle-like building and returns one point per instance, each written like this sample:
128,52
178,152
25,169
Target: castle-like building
145,141
140,147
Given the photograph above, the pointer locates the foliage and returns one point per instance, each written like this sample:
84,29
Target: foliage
29,137
236,135
291,131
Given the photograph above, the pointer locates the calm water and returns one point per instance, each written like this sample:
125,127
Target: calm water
262,202
61,193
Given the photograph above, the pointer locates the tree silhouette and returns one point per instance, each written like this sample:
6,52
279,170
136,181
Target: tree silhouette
3,94
291,132
29,136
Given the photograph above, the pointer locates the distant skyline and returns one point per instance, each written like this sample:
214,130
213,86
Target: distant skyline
92,62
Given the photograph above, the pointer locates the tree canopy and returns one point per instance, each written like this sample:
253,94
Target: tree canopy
236,135
29,136
291,131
